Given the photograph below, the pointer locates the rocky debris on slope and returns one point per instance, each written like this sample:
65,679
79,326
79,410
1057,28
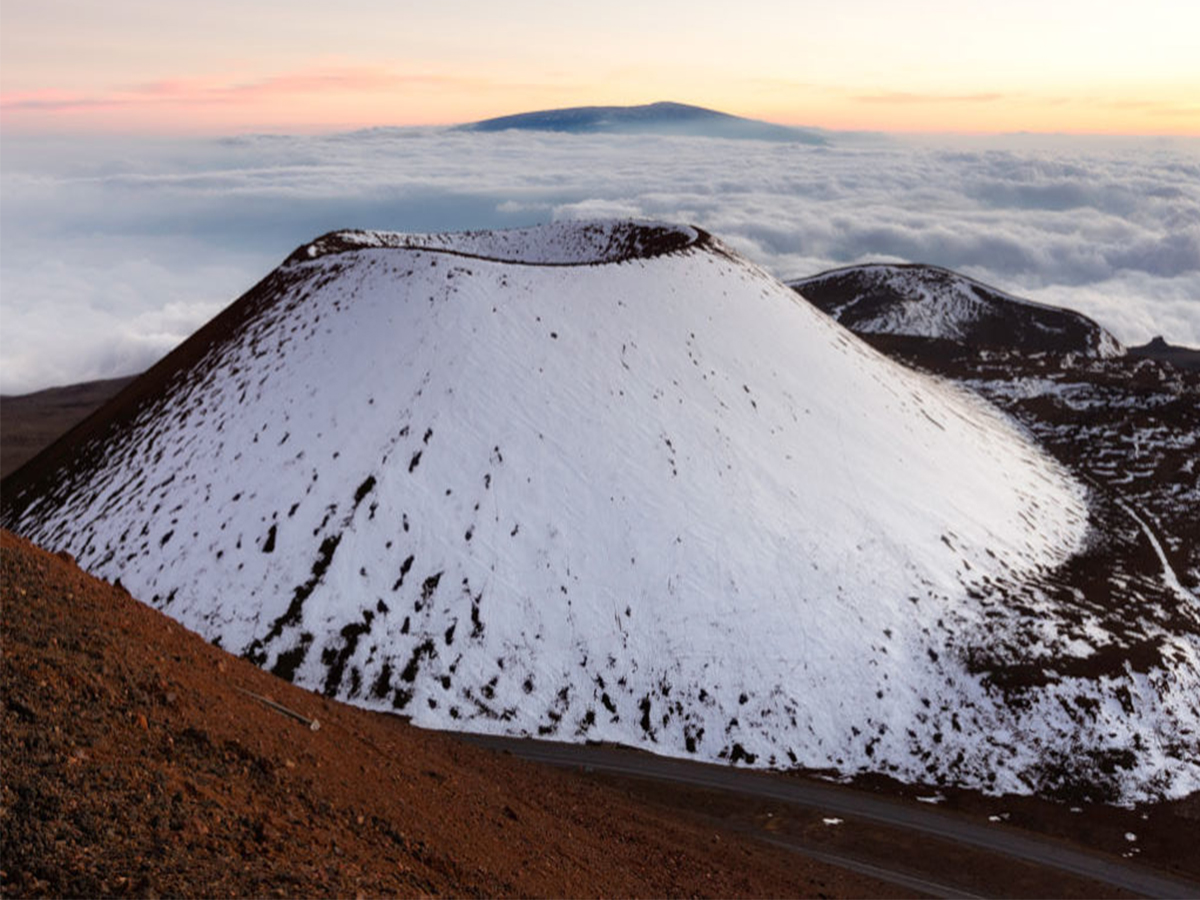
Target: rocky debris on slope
137,760
928,301
1127,425
1130,428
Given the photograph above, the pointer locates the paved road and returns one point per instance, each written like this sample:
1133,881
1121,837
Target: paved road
840,801
900,879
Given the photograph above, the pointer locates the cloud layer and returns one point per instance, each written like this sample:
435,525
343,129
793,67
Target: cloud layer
112,252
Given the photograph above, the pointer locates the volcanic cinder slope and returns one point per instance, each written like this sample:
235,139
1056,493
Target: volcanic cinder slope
928,301
605,481
139,761
1127,427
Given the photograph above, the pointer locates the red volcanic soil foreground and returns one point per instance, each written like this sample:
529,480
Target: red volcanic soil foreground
136,763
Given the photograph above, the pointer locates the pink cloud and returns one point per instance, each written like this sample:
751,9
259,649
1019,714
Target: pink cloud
48,101
187,92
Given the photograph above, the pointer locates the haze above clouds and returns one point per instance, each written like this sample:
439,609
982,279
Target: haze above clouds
220,67
113,251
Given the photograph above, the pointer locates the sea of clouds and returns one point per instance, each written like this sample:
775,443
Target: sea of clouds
112,251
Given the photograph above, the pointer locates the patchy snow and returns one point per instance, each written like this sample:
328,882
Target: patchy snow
556,244
645,496
928,301
833,821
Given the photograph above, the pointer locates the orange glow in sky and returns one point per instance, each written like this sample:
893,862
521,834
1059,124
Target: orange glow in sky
140,66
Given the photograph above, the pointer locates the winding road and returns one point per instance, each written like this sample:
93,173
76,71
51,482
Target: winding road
840,801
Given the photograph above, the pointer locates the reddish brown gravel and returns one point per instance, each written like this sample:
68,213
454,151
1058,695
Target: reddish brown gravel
134,764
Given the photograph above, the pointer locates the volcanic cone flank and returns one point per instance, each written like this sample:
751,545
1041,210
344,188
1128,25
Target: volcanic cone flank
604,481
928,301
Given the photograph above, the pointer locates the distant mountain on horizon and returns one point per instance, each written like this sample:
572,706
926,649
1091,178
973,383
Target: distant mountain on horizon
662,118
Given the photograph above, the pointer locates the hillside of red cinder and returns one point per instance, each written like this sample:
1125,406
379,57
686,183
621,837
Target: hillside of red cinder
135,763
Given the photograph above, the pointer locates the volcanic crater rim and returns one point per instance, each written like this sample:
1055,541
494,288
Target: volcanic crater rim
575,243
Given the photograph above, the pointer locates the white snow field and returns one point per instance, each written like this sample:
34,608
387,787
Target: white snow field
606,481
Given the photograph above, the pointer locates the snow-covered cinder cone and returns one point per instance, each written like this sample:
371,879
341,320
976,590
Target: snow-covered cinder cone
590,481
931,302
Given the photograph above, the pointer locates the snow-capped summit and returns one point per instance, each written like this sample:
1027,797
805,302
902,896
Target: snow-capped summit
931,302
596,481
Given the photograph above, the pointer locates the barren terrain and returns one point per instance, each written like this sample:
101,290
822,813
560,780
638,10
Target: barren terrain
140,759
137,761
31,421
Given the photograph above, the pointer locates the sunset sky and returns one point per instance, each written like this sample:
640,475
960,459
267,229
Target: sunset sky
149,67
